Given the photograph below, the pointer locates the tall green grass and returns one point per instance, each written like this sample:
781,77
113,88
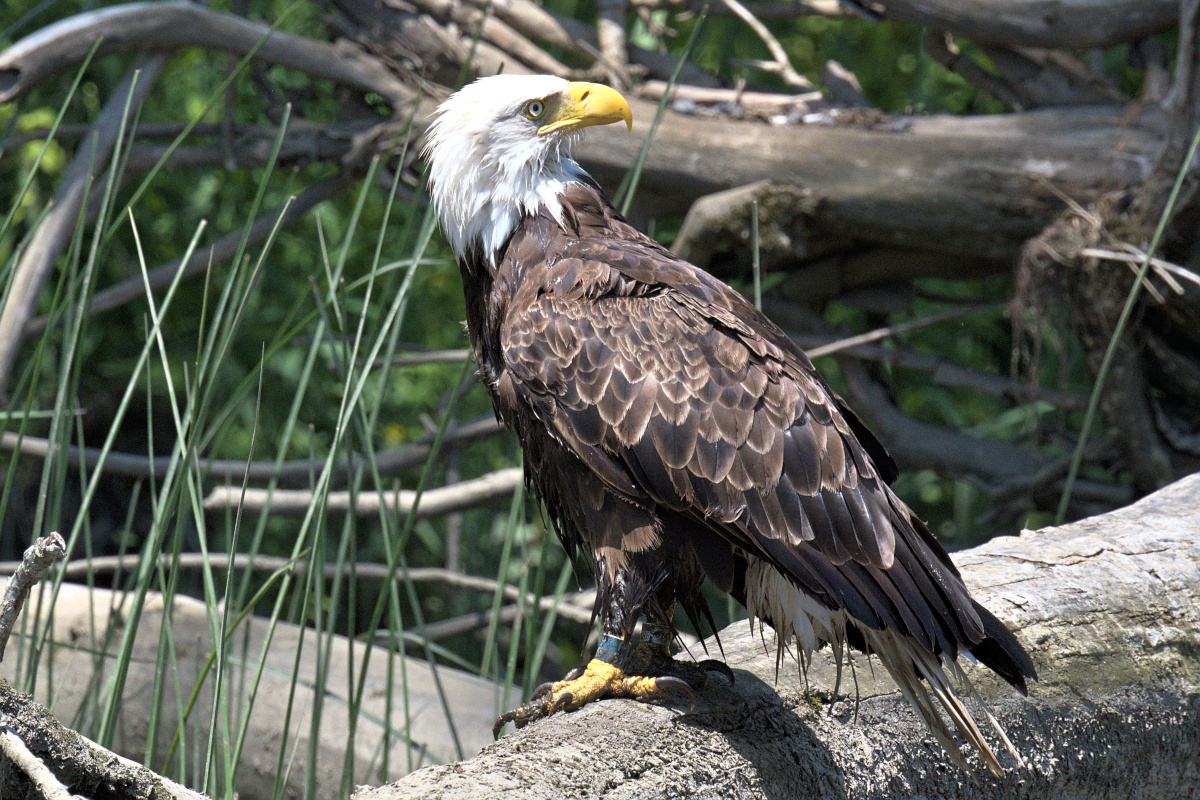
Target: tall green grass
188,374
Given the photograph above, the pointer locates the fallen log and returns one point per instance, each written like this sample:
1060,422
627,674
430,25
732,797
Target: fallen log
77,664
1109,608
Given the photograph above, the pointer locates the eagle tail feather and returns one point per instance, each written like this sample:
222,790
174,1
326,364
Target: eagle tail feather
920,674
1002,653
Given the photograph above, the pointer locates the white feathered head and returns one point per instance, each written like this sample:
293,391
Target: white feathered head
499,149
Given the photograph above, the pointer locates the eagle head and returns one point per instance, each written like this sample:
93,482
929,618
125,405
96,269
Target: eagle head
499,149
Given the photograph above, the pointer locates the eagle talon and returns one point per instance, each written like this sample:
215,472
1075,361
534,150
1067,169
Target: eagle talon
720,667
665,683
542,689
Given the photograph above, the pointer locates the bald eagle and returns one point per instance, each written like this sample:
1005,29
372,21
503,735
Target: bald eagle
673,432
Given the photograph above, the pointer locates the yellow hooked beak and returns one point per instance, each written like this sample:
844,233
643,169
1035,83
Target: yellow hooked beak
588,104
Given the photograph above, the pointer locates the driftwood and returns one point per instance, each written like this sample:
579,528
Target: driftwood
69,683
1109,608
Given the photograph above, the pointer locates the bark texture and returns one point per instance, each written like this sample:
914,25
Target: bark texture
1109,608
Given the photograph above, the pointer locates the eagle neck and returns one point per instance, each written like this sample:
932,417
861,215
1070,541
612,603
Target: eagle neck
483,206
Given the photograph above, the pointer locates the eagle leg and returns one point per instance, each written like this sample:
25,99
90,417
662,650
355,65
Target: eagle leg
647,674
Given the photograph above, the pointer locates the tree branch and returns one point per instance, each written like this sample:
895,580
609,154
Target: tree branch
1056,24
179,23
38,558
80,763
54,231
480,491
389,462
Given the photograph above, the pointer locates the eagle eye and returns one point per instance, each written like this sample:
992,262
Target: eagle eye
534,109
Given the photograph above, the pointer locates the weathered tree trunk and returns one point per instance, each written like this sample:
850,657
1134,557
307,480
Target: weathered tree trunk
1108,607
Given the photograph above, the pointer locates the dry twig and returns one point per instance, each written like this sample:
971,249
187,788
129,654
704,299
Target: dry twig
38,558
781,65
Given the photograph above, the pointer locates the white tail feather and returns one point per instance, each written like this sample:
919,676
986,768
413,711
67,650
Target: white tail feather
797,617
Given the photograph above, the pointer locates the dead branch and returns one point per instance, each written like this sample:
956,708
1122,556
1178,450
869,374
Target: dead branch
779,64
789,9
70,757
942,49
38,558
870,184
53,233
575,607
38,773
495,32
610,34
480,491
755,103
538,23
1059,24
918,445
580,603
76,761
388,462
81,643
173,24
946,373
1040,78
429,357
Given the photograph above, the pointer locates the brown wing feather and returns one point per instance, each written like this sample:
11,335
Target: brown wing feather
673,389
665,375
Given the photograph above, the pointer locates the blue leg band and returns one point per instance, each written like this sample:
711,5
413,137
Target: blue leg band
611,649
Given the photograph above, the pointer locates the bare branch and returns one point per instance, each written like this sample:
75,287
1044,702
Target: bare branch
789,9
388,462
430,357
576,607
942,49
610,33
871,183
891,330
38,558
89,765
580,602
217,253
365,570
178,23
780,64
496,32
1055,24
756,103
534,21
947,373
54,231
38,773
919,445
434,502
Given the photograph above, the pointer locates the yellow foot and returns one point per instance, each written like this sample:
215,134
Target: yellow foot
651,677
